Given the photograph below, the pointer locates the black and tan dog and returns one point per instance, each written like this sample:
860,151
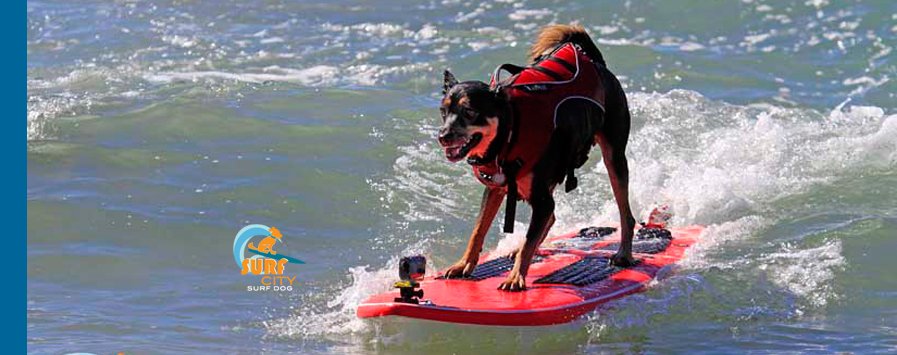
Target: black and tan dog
527,133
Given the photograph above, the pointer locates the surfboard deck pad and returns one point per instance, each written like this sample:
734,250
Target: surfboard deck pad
570,276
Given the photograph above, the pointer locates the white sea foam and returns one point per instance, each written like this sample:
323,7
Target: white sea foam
336,318
319,74
807,273
271,40
523,14
179,41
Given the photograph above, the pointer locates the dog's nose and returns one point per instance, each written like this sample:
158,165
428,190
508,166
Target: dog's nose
447,136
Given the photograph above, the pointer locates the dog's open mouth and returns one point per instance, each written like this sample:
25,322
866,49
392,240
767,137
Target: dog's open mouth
459,150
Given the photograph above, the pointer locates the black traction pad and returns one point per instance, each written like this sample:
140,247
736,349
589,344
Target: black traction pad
491,268
647,241
586,271
597,233
494,268
653,233
584,240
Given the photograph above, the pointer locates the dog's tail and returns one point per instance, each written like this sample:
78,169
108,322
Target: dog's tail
552,35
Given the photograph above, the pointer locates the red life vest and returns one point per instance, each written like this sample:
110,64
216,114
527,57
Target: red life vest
535,93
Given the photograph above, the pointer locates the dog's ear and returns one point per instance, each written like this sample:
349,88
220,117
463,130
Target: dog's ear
448,81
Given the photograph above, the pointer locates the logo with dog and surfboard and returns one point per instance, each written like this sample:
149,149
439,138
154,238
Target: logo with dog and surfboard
255,252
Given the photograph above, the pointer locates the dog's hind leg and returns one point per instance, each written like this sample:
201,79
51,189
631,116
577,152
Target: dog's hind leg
612,138
492,199
618,171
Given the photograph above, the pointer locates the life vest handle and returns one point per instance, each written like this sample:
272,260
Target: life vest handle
508,67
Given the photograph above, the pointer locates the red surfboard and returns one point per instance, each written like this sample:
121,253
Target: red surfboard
570,276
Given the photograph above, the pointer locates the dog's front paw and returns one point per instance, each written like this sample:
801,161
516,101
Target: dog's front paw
622,259
462,268
515,282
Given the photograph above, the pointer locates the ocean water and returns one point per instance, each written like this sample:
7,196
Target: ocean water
157,129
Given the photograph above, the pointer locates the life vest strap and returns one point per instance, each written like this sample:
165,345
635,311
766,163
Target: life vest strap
510,169
570,67
549,72
571,181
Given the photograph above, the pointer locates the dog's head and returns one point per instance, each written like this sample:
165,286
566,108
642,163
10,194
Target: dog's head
470,112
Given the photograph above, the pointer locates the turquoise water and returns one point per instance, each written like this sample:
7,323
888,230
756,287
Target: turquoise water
156,130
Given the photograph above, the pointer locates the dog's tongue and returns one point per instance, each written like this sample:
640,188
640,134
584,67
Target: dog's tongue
452,151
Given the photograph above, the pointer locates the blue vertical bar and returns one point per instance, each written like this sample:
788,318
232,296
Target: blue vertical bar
14,180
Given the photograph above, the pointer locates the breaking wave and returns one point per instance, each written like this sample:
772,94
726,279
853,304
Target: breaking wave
725,166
